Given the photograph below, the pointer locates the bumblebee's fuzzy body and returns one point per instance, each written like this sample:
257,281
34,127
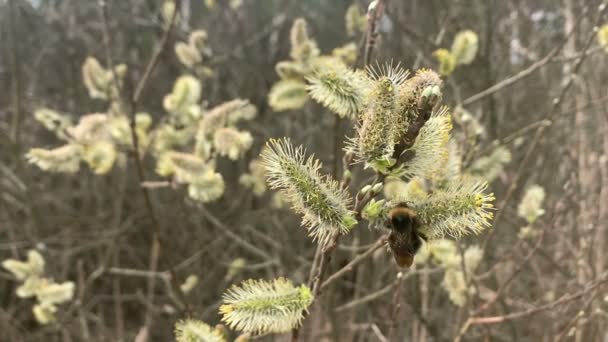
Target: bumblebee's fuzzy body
405,238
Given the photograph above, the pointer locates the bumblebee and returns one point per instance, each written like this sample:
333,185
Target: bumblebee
405,238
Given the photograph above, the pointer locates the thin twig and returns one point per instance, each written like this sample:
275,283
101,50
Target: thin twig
549,116
366,299
388,288
318,269
396,304
357,260
520,314
156,56
329,248
234,236
15,76
373,15
512,276
133,103
527,71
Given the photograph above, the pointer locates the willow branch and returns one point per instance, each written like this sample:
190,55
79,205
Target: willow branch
373,15
132,109
548,116
356,261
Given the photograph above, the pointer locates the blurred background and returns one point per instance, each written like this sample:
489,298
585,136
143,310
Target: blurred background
537,89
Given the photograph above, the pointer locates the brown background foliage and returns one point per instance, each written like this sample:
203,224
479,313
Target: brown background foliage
88,226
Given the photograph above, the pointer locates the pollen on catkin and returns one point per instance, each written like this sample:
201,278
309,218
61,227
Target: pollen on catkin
459,208
409,95
321,201
378,127
191,330
430,149
339,89
259,306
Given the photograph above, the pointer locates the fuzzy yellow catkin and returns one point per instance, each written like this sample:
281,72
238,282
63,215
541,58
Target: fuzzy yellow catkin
236,266
455,284
30,286
168,12
530,207
189,284
453,166
44,314
91,128
287,95
192,330
394,187
431,147
187,54
33,267
65,159
53,121
95,78
469,122
167,137
120,130
100,157
347,53
376,133
338,89
602,36
447,63
465,46
456,209
290,70
356,21
186,93
231,143
256,178
456,278
491,166
48,293
409,95
54,293
303,48
235,4
226,114
325,207
258,306
207,187
186,167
